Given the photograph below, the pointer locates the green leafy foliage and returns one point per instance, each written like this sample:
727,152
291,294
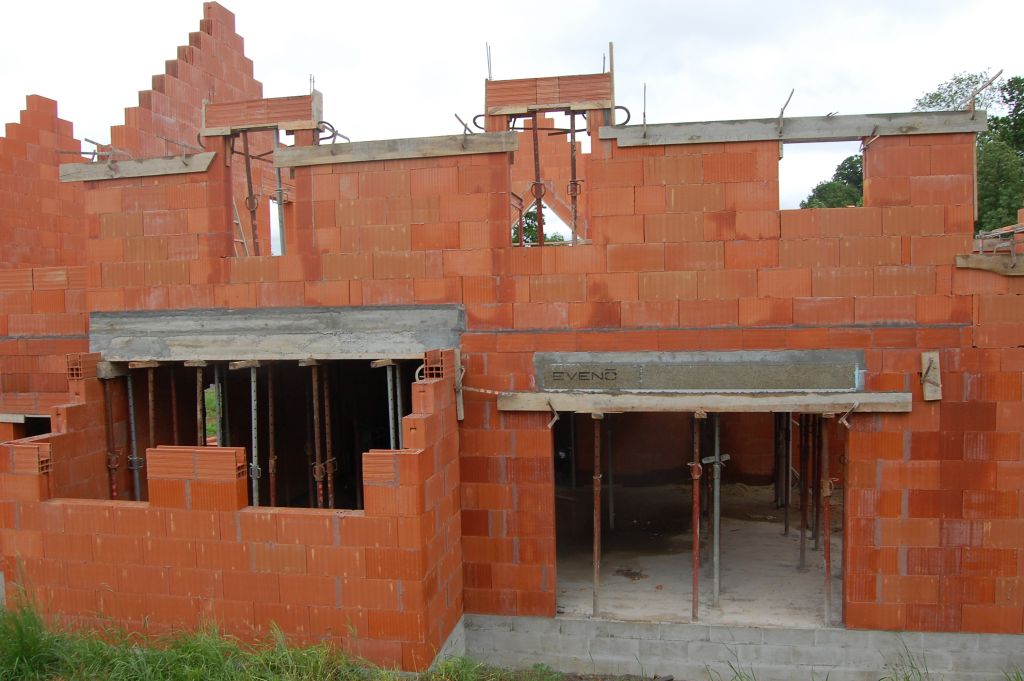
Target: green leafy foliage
530,229
851,171
1000,184
846,188
1010,128
955,91
1000,150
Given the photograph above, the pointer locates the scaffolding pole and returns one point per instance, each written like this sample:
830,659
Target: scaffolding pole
134,463
597,513
695,473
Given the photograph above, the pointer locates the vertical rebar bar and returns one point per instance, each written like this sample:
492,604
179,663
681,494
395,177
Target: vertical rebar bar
271,437
108,423
392,440
280,205
151,380
400,407
538,187
597,513
572,447
174,406
329,438
716,527
788,458
826,503
695,473
254,466
200,409
134,464
804,456
226,408
311,477
250,199
611,478
816,480
573,183
218,394
318,469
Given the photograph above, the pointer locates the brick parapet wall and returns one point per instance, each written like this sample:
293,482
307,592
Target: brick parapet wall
384,583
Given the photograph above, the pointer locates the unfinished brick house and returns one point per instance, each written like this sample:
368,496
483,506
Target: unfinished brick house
411,420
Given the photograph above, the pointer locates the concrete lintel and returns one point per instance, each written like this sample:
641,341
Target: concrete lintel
799,129
382,150
276,333
807,403
744,371
108,370
145,167
12,418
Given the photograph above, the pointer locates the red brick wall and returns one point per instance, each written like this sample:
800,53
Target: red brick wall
689,252
384,583
41,220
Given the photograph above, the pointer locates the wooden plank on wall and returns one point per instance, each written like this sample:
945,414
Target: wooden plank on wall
380,150
146,167
798,129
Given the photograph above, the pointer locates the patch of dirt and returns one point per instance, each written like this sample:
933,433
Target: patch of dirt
631,574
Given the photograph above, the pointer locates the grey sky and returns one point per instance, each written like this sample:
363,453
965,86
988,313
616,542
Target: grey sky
402,69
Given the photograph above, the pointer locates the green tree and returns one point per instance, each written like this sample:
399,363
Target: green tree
954,92
530,229
832,194
1000,150
846,188
1000,184
1010,128
851,171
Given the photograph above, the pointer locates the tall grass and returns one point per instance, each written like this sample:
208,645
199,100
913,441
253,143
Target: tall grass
31,651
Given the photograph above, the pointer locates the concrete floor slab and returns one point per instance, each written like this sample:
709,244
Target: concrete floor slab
647,565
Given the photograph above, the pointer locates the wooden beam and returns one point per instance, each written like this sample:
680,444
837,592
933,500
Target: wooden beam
811,403
146,167
378,363
798,129
244,364
310,362
381,150
144,364
195,363
1000,263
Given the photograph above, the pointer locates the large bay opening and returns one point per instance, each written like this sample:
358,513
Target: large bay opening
646,511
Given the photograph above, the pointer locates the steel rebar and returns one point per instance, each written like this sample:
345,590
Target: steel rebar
392,439
254,466
174,407
151,380
200,409
597,514
271,437
134,463
318,469
399,407
826,503
695,473
112,459
716,528
329,441
805,432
